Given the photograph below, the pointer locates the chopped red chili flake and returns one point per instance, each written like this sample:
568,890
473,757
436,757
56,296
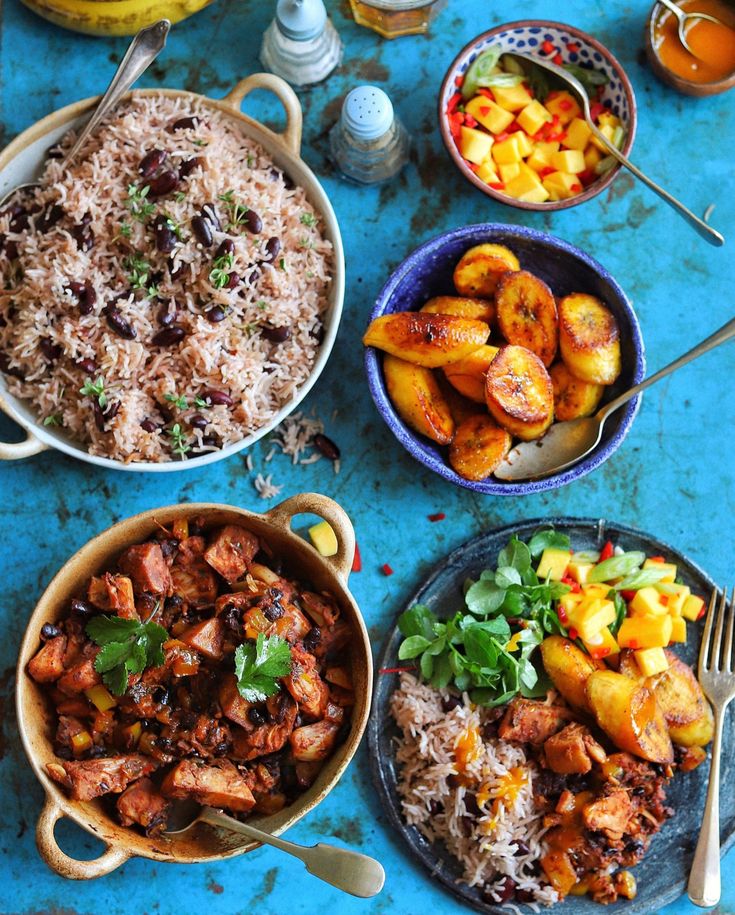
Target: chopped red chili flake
701,613
596,110
439,516
486,92
576,187
573,634
502,136
497,185
663,599
656,559
394,670
357,560
547,170
607,551
598,653
573,47
469,121
472,165
458,80
587,176
386,569
632,643
627,595
563,615
557,59
547,47
513,127
453,102
484,111
565,104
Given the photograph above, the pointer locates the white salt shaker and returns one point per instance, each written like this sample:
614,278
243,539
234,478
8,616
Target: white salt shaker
369,144
301,45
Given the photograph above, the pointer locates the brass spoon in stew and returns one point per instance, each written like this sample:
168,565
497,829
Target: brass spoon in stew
349,871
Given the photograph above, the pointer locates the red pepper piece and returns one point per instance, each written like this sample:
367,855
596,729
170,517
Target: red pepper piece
573,47
469,121
627,595
453,102
656,559
458,80
607,551
513,127
576,187
502,136
663,599
573,634
632,643
587,176
547,47
599,653
486,92
596,110
701,613
565,104
386,569
557,59
439,516
472,165
546,170
497,185
357,560
563,617
484,111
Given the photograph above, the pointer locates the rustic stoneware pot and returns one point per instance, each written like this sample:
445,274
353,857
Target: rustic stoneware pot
35,716
22,161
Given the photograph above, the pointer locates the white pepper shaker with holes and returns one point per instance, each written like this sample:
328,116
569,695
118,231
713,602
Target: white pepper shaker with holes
301,45
369,144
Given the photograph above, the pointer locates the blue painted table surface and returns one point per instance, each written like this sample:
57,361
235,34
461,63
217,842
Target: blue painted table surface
673,476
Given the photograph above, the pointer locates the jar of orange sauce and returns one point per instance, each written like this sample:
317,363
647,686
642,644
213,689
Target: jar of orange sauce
393,18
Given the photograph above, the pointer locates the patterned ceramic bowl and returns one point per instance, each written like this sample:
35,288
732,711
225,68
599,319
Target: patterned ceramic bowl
527,37
428,271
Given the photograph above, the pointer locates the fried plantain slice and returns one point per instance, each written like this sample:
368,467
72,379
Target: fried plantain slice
462,306
527,314
479,445
415,394
430,340
573,398
589,338
519,393
468,374
460,407
479,269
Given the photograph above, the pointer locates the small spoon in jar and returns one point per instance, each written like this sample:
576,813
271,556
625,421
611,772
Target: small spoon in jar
143,50
567,443
686,21
699,225
349,871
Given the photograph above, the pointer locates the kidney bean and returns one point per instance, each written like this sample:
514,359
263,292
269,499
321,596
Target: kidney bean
88,366
163,184
49,631
225,247
6,367
83,234
202,231
326,446
253,222
174,271
233,282
184,124
148,425
165,236
188,165
81,607
117,323
151,162
273,247
103,416
209,212
522,849
55,152
212,440
169,336
217,398
198,421
85,295
215,314
276,334
253,276
50,350
49,217
275,174
10,247
20,220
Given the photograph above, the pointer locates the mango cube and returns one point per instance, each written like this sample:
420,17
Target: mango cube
540,157
522,189
590,618
474,144
693,607
568,601
568,160
324,538
562,185
580,571
507,151
525,144
651,661
487,173
607,117
674,598
578,134
595,589
489,114
678,629
564,105
647,602
668,567
609,133
602,645
533,117
592,156
509,171
512,98
645,632
553,564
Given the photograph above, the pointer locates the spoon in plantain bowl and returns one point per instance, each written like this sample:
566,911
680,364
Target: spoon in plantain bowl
699,225
567,443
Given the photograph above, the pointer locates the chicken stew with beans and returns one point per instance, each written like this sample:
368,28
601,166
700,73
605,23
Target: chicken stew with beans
195,669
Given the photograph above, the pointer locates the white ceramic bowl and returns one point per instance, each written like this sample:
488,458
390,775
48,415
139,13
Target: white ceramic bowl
22,161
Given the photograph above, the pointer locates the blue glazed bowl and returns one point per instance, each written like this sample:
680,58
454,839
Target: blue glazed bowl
428,272
575,47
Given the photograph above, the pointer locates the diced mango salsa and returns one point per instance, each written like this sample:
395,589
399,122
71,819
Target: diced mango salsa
678,629
602,645
487,173
645,632
512,98
324,539
533,117
509,171
489,114
651,661
553,564
564,105
591,617
693,608
474,144
527,186
562,185
647,602
609,133
580,571
525,143
668,567
568,160
505,151
674,597
578,134
592,156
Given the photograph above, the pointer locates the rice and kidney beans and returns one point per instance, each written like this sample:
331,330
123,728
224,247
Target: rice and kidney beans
173,274
480,804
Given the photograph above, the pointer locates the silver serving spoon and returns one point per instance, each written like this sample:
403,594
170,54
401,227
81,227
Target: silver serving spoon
707,232
349,871
143,50
687,20
567,443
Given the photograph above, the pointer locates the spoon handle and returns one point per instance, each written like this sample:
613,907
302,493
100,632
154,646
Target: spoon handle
725,333
143,50
673,8
349,871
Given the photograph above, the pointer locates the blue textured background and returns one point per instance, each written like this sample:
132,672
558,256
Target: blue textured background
673,476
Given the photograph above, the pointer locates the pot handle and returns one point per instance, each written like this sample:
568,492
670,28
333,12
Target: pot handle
14,451
291,136
317,504
65,866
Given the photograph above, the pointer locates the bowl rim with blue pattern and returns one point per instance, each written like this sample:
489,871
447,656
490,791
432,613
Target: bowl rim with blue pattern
522,35
412,283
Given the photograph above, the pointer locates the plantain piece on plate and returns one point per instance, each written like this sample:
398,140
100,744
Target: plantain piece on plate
630,716
527,314
573,398
462,307
460,407
569,669
479,445
679,696
468,374
430,340
415,394
589,339
479,269
518,392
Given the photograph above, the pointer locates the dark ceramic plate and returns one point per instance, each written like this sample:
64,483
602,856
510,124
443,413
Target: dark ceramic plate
663,873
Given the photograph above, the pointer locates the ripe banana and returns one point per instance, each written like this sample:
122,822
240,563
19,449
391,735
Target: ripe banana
112,17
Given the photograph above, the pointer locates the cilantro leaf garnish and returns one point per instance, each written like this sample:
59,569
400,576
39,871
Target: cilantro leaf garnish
95,389
140,208
258,666
179,445
127,647
178,400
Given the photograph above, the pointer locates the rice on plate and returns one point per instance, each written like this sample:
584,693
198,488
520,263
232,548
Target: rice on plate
164,296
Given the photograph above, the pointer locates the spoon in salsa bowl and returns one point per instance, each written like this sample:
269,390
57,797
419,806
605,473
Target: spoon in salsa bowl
565,444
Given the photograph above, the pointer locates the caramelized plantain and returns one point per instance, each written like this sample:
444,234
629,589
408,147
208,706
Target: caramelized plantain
463,307
415,394
518,392
589,339
480,268
527,314
460,407
573,398
479,445
429,340
468,374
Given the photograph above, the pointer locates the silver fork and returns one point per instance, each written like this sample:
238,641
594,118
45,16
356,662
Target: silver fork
717,680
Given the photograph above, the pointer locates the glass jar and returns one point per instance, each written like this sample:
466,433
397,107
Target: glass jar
393,18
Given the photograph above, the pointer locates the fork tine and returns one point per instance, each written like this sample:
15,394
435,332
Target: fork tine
727,658
716,664
704,651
